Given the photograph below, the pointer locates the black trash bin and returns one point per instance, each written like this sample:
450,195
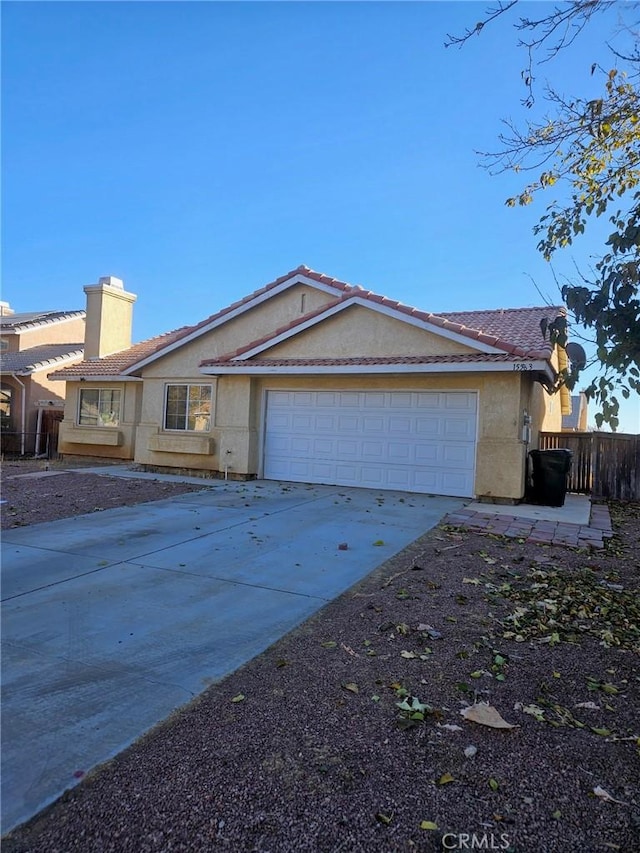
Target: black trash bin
550,473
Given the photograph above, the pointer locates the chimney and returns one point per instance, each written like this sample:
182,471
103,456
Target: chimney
109,317
5,309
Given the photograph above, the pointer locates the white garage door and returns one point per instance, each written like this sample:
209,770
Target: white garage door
410,441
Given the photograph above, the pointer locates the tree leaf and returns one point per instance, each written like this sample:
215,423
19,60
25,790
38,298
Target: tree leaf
486,715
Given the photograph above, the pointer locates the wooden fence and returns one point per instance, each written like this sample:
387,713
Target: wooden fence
604,464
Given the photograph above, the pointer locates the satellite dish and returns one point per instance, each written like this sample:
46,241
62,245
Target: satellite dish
577,355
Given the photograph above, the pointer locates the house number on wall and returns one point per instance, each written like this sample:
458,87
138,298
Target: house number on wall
523,365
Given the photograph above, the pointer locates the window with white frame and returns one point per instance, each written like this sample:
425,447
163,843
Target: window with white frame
188,407
99,407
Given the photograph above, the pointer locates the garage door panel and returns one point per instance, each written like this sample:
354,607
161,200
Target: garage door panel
400,426
400,452
457,428
302,422
428,426
413,441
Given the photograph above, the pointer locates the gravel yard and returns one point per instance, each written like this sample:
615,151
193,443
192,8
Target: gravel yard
356,731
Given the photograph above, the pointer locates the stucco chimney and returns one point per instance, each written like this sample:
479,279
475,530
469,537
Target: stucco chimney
109,317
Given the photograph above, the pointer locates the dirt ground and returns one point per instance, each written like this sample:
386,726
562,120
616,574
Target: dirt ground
366,728
51,491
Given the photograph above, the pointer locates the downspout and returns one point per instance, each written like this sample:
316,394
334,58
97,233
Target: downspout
23,414
38,433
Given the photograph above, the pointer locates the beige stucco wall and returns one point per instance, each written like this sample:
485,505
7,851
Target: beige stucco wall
60,332
501,451
110,442
359,331
109,320
276,312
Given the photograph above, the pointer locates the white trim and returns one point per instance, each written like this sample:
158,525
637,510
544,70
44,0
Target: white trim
117,377
436,367
389,311
298,278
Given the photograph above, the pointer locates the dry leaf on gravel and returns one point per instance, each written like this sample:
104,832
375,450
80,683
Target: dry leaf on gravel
486,715
606,796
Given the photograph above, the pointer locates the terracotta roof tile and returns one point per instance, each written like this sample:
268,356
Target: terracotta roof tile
516,331
116,363
463,358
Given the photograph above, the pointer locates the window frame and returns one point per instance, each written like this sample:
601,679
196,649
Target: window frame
185,429
100,390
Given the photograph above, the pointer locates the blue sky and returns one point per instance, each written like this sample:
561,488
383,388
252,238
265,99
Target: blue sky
199,150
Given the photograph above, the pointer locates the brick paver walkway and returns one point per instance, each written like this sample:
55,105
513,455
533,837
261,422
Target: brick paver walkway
541,532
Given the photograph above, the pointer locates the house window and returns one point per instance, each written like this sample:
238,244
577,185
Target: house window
99,407
6,394
4,345
188,407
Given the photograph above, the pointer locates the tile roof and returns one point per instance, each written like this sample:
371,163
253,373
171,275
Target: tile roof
29,360
112,365
33,319
515,331
463,358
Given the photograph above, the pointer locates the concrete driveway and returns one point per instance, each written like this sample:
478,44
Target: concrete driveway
110,621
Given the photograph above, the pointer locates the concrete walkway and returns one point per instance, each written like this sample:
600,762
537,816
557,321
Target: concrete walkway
577,524
110,621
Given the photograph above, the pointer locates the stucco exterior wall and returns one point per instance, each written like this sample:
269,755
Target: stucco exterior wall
360,331
60,332
501,453
109,320
277,311
117,442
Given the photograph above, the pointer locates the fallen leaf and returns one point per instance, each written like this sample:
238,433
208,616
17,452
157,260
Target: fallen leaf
384,818
445,779
238,698
591,705
606,796
379,542
470,751
532,710
485,715
450,727
428,824
493,785
351,686
405,654
329,644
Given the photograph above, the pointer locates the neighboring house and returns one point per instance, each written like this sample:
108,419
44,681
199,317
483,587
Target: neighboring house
577,420
31,345
314,380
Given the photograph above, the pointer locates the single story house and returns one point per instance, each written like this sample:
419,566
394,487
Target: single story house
311,379
32,344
